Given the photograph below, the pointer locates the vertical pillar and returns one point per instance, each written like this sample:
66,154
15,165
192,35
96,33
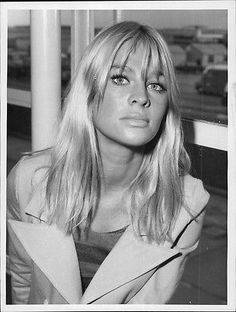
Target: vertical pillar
45,76
117,16
82,32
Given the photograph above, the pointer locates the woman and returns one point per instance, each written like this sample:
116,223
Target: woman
110,212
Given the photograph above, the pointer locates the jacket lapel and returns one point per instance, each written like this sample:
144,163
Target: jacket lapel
128,260
55,255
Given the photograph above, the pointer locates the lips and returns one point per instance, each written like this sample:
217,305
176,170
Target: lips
136,120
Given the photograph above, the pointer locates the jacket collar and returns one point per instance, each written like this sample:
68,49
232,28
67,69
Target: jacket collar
45,244
129,259
53,253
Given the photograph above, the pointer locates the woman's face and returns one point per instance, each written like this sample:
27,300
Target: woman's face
133,106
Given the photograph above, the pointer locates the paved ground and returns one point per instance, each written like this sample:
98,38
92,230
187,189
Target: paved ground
204,280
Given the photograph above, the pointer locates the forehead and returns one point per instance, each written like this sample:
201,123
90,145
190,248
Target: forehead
138,56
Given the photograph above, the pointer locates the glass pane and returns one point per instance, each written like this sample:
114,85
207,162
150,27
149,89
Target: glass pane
102,18
18,49
65,48
196,39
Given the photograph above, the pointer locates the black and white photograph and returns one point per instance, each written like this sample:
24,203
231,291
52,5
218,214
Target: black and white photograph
118,148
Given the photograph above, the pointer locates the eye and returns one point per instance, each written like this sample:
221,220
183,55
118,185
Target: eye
119,80
156,87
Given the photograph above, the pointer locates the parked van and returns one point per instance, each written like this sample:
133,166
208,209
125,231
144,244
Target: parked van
213,80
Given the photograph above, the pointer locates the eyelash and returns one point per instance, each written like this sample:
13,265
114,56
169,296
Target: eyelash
158,84
118,76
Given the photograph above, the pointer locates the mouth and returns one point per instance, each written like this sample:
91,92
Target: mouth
136,120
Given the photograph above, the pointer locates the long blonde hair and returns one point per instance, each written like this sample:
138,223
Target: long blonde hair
73,186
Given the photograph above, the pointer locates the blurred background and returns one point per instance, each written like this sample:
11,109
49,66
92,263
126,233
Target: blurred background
197,40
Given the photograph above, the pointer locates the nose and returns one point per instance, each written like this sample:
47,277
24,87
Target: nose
139,96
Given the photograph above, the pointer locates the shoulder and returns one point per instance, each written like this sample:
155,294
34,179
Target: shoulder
27,172
195,195
189,222
36,160
30,164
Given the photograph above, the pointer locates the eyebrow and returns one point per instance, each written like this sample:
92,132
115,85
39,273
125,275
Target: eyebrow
123,67
117,66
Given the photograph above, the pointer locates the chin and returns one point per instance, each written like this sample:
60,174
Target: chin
137,141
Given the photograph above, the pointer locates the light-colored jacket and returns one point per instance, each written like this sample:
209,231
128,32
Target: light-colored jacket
43,261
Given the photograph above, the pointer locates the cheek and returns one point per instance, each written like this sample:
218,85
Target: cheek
107,111
158,114
111,105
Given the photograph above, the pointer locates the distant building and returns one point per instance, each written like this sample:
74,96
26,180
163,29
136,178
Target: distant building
65,39
180,36
178,55
209,35
19,38
206,54
22,43
186,35
19,32
16,58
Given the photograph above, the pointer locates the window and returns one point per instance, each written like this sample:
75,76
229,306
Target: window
19,50
179,36
19,68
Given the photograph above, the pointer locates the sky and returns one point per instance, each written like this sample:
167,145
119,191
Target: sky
158,18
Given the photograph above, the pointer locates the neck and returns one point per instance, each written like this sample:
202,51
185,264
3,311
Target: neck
120,166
